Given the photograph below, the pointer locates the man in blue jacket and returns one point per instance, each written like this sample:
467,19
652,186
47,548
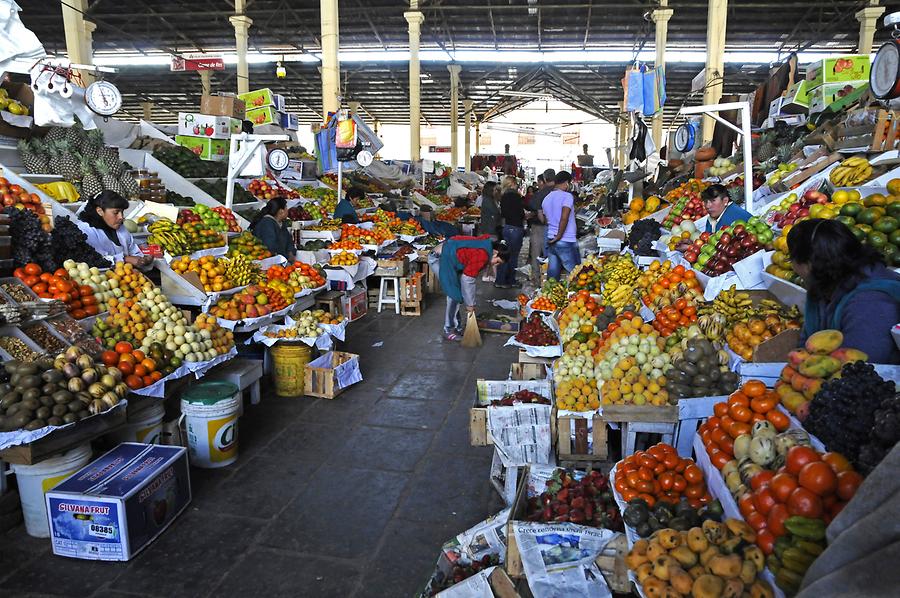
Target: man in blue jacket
722,211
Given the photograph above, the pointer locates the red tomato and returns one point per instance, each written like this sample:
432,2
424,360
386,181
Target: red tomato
798,456
746,505
776,518
819,478
847,484
804,503
782,485
766,541
763,478
764,500
757,521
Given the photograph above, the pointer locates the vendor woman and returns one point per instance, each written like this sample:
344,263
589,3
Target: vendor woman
462,259
270,227
722,211
345,211
101,220
848,288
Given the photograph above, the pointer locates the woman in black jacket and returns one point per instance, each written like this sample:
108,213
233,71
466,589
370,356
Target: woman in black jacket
512,209
269,227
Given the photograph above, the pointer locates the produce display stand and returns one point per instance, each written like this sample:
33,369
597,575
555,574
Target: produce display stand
489,390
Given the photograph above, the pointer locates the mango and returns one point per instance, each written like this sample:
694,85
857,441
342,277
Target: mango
797,356
802,412
798,381
848,355
792,399
824,342
820,366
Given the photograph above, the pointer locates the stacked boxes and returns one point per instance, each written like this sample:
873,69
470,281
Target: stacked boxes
263,107
832,79
207,135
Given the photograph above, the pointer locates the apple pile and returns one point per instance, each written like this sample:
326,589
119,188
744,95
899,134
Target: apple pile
791,209
686,203
229,217
535,332
721,250
265,190
520,397
300,213
255,301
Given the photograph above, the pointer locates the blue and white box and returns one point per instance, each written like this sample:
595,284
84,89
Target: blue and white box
114,507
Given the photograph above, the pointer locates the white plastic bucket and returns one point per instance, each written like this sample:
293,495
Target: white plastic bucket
211,415
36,480
146,429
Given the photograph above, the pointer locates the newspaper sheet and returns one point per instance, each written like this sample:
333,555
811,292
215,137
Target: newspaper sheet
559,559
521,434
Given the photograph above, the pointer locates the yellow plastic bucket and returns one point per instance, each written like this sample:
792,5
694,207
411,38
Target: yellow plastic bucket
289,368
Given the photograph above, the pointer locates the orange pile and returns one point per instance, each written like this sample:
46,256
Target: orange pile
543,304
659,473
681,313
346,244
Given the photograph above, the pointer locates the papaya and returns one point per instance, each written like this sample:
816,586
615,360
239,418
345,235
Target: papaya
824,342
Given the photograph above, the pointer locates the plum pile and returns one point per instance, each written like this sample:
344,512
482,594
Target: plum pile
643,233
843,412
520,397
885,434
30,243
68,240
536,332
587,501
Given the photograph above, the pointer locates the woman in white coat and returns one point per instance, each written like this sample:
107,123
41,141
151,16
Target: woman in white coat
101,220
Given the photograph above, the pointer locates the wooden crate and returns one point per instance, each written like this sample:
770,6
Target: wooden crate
320,382
391,267
526,358
64,440
881,136
611,561
631,418
412,295
527,371
805,171
486,390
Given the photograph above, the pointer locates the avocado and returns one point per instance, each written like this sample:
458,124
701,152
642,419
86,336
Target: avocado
21,418
9,399
53,376
55,421
42,413
61,397
32,394
60,410
28,381
35,424
70,418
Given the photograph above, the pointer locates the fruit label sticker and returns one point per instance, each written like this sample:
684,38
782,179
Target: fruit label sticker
222,435
154,251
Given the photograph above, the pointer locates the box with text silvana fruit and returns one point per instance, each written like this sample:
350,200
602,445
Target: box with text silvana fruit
262,97
114,507
207,149
836,70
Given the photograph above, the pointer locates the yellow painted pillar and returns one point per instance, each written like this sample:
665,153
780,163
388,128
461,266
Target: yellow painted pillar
206,82
467,160
331,68
868,24
147,111
715,60
477,137
661,17
415,19
78,47
454,114
241,24
622,136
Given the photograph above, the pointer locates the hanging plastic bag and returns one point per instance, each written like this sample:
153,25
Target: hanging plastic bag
654,83
633,83
57,101
346,134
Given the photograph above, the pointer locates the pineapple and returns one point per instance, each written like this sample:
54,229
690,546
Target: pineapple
736,194
766,149
92,144
90,182
69,167
75,136
33,157
108,179
783,154
55,134
130,185
53,164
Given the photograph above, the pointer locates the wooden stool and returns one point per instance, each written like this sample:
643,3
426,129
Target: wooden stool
412,295
384,298
330,302
630,431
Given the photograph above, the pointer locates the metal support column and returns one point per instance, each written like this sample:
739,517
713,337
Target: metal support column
454,114
415,19
206,82
715,60
331,69
661,17
147,111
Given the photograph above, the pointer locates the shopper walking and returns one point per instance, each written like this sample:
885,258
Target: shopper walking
559,210
512,209
537,225
489,203
458,262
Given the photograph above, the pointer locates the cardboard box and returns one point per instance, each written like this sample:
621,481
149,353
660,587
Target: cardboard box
17,125
353,304
208,149
841,69
262,97
825,95
114,507
796,98
264,116
223,105
206,125
775,106
290,121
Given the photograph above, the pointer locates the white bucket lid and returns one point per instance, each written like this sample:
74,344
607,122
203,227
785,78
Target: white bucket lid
61,463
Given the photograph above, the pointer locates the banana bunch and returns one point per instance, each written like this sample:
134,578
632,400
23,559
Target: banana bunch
242,270
712,325
620,269
852,171
555,292
169,236
619,296
731,303
62,191
770,307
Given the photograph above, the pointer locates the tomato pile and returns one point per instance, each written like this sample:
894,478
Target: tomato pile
137,369
680,314
79,299
660,474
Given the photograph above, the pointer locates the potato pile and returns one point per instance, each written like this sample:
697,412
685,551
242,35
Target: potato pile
718,560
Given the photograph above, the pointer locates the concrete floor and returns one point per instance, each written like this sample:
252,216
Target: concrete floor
347,498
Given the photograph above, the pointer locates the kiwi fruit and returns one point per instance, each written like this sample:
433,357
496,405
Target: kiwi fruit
21,418
75,406
61,397
53,376
35,424
31,394
42,413
70,418
29,381
27,369
13,408
14,379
